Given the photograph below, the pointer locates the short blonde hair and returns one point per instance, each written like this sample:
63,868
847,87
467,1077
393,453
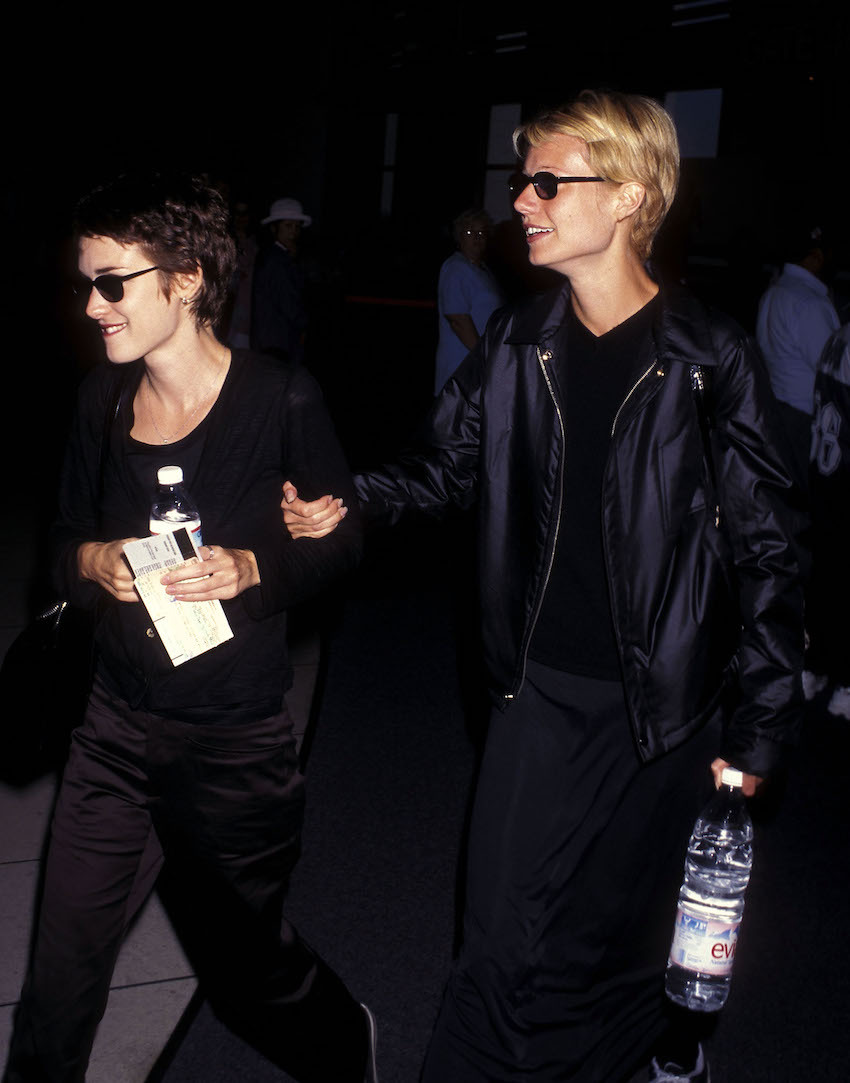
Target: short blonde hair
628,138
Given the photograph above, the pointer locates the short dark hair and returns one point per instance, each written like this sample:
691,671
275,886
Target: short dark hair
181,223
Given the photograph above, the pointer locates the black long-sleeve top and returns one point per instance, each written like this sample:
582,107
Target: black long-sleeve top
574,630
268,425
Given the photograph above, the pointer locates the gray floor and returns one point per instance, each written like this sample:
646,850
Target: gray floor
153,981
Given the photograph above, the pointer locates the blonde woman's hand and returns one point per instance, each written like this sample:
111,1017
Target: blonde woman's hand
310,519
751,782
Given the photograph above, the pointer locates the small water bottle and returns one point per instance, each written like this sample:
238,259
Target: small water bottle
172,506
711,900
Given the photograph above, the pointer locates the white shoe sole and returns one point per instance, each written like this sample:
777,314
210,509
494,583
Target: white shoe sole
839,704
371,1062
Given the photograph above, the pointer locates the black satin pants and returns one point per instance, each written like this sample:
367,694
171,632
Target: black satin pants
214,813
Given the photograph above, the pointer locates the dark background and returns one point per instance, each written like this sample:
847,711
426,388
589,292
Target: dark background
294,102
273,102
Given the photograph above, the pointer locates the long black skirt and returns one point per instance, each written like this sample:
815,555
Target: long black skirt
576,852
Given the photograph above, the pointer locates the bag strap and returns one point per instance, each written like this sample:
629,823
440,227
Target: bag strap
701,386
113,408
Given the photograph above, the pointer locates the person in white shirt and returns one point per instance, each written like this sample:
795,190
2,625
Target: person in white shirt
796,317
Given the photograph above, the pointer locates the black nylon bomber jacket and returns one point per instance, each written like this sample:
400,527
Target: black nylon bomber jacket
698,609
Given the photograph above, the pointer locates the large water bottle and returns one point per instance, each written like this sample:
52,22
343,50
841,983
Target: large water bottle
711,900
172,506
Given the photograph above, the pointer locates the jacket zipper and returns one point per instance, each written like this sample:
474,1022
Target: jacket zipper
632,391
542,359
641,736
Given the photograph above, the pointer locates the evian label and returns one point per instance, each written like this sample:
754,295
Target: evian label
160,526
707,947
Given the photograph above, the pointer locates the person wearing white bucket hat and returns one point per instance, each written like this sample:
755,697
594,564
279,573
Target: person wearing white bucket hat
286,210
279,317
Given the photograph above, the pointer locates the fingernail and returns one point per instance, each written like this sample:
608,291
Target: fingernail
343,512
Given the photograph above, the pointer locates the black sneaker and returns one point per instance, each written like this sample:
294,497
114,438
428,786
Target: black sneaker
675,1073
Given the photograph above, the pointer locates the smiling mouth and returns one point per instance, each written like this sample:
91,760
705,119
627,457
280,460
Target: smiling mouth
111,328
533,231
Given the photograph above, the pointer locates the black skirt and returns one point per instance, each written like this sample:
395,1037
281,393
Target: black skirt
576,852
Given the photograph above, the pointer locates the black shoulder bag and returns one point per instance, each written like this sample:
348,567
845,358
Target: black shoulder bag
46,675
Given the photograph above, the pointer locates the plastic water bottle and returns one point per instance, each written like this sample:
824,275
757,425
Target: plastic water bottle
172,506
711,900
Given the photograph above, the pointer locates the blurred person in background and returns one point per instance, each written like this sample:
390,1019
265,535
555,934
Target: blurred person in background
467,294
239,318
828,597
796,316
279,314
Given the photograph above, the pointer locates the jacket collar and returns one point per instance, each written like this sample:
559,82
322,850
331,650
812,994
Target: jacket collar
539,316
682,331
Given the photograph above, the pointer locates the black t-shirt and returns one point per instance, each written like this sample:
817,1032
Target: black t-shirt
144,460
268,424
574,630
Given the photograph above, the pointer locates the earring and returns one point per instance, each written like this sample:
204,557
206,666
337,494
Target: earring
184,301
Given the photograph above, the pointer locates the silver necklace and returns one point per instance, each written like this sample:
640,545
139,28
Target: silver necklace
162,436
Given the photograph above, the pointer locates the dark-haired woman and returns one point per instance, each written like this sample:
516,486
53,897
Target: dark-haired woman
187,774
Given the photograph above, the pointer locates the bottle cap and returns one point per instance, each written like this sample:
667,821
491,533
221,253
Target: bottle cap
169,475
731,777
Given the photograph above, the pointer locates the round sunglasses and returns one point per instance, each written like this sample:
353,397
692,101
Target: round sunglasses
545,184
110,287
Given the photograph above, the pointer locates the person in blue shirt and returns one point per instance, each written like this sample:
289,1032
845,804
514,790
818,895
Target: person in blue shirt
467,294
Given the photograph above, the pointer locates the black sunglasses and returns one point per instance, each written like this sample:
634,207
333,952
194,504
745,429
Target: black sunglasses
110,287
545,184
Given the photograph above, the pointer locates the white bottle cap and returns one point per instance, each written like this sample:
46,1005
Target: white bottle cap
731,777
169,475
